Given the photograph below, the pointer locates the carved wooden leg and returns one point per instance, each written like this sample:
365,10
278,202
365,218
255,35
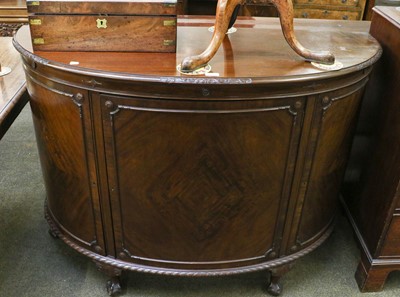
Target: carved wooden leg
53,234
370,278
224,12
274,287
225,17
113,284
285,9
234,16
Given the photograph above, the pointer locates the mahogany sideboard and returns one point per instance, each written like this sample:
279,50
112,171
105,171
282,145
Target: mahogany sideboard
371,195
150,170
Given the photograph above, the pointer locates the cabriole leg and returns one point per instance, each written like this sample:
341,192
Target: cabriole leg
225,11
226,16
53,234
285,9
114,283
274,287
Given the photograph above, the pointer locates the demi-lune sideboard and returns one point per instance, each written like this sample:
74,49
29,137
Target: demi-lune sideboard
233,171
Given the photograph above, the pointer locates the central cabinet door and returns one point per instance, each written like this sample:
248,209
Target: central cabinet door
199,184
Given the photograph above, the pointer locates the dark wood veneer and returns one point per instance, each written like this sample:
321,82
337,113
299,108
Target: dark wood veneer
149,170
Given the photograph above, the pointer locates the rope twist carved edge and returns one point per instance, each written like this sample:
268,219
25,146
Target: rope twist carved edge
190,273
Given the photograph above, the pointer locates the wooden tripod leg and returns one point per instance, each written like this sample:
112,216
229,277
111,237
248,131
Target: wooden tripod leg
285,9
225,9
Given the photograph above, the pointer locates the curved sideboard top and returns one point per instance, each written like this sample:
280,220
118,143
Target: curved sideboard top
256,53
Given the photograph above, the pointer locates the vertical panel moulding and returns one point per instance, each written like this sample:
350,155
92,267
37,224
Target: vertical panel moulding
79,100
98,115
296,110
91,156
110,110
301,174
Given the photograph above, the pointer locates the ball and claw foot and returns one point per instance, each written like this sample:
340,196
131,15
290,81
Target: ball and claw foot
113,287
274,289
53,234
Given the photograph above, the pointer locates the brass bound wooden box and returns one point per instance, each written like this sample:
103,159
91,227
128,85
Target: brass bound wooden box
123,25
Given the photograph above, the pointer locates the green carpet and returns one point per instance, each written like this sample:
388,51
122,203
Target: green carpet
34,264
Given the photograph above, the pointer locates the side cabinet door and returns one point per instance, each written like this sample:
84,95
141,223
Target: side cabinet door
334,120
61,119
199,184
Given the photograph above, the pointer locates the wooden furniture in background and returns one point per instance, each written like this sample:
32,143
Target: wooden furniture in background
329,9
372,3
12,15
181,7
149,170
372,198
313,9
13,95
249,8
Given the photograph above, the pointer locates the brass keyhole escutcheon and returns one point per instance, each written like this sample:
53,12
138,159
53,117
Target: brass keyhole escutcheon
101,23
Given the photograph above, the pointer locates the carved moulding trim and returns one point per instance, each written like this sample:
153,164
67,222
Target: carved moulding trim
191,263
201,110
300,243
355,87
27,54
181,272
205,81
8,29
74,99
90,83
69,95
53,227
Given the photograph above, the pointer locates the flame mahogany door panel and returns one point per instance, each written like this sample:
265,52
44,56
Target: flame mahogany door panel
209,182
61,117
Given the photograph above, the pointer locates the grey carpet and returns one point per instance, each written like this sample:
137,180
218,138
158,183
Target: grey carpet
34,264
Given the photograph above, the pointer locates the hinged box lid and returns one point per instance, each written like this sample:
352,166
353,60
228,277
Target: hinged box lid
101,7
98,25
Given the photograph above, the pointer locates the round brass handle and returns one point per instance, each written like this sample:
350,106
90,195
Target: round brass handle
304,15
345,17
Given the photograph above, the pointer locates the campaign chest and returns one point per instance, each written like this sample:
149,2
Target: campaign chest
123,25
